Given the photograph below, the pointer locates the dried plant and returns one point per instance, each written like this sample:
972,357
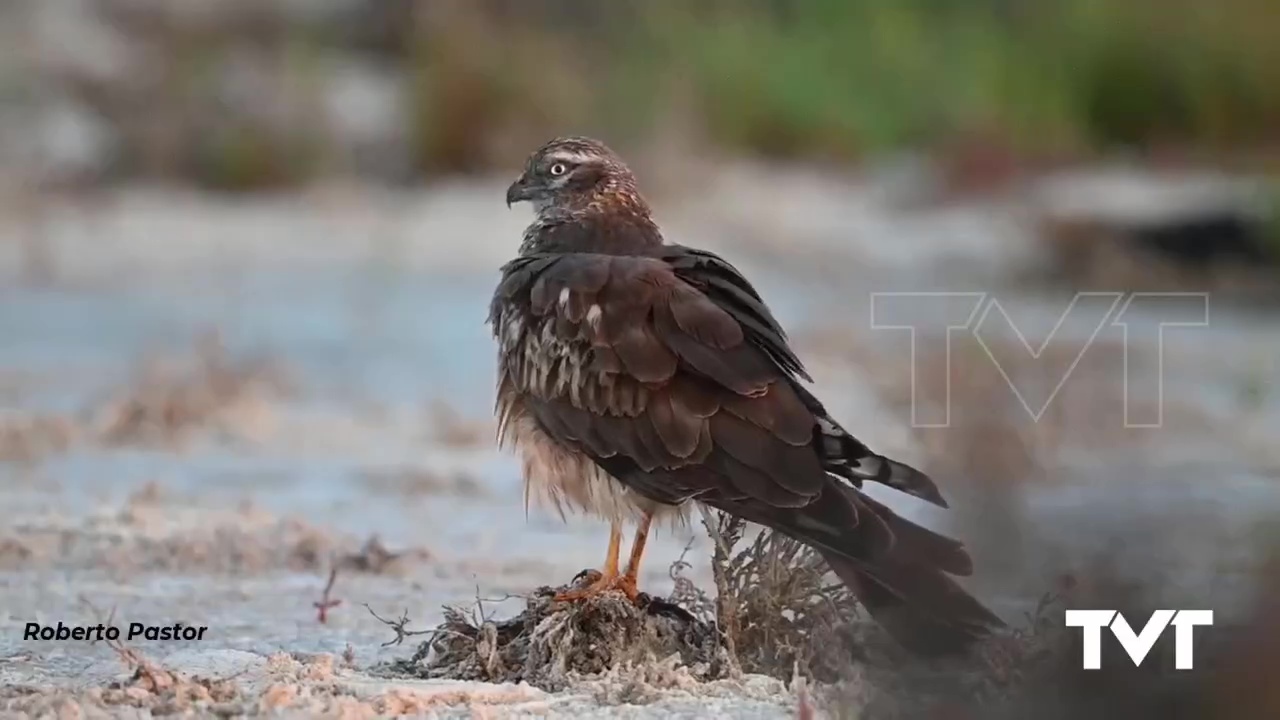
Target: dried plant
162,691
777,604
551,644
210,389
28,438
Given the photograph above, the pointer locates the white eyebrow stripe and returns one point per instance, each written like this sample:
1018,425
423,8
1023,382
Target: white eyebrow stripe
576,158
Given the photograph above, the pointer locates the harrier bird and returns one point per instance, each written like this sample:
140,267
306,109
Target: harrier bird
636,376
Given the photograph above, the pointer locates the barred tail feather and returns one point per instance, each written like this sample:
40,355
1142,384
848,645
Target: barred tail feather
846,456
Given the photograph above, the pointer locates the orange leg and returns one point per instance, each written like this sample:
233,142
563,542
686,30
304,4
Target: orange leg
615,549
610,579
631,576
608,576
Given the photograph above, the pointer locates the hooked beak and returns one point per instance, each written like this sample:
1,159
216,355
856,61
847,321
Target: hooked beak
519,190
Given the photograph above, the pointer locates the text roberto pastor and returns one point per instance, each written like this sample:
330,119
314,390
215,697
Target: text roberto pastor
135,631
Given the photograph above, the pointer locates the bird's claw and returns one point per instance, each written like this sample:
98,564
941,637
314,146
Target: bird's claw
586,577
596,583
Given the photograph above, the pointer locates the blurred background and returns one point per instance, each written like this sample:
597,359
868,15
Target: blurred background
247,96
247,246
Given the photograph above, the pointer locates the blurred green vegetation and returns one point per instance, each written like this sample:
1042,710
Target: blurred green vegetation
827,79
842,78
1048,76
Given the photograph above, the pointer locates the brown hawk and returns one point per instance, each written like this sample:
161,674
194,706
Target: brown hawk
637,376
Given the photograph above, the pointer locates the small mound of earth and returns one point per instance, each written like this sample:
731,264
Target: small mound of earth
551,644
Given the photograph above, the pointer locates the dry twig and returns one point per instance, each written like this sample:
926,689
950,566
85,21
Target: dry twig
325,603
400,626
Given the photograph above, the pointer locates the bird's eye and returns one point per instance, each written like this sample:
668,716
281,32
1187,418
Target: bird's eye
558,169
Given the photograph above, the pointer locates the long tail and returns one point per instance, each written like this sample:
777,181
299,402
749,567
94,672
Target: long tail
900,571
909,588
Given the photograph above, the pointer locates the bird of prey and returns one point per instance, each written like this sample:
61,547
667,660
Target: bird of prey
636,377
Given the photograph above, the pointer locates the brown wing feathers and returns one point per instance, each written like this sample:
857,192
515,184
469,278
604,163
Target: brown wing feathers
721,282
693,394
730,408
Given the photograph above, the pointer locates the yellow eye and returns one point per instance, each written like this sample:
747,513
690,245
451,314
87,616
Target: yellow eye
558,169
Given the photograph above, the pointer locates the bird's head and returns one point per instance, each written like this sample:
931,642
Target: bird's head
572,174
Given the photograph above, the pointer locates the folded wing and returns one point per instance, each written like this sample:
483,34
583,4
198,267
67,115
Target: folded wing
670,372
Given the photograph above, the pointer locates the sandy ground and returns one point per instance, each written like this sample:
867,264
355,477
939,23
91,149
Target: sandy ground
340,420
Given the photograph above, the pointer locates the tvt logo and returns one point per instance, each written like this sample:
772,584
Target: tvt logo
1139,644
932,319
